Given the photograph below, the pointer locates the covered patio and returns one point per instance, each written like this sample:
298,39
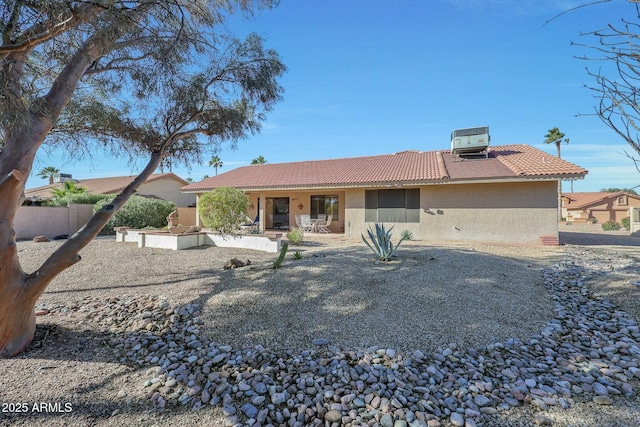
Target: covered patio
278,211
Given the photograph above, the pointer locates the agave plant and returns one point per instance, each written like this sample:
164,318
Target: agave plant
381,243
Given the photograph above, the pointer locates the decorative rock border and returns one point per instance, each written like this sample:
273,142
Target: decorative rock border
589,348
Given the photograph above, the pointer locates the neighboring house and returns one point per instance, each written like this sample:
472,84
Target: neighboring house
511,196
164,186
600,206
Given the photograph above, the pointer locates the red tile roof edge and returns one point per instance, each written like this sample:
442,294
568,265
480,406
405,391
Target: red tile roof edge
541,166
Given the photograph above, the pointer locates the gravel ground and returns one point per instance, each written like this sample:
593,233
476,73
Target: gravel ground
431,296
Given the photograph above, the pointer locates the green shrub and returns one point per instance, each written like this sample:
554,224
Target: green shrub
295,236
223,209
297,255
138,212
610,225
626,223
80,198
406,235
381,243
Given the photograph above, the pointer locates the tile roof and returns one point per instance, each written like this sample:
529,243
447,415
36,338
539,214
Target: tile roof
111,185
406,167
585,199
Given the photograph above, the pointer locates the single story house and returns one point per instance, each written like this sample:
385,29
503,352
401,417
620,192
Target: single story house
509,196
165,186
599,206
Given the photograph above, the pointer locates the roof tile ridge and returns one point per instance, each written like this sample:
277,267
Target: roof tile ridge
515,168
443,173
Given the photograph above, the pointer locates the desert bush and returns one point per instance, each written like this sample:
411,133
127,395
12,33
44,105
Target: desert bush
406,235
223,209
626,223
610,225
381,243
138,212
295,236
80,198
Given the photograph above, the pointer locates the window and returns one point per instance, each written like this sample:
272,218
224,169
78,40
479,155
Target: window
327,205
622,200
392,205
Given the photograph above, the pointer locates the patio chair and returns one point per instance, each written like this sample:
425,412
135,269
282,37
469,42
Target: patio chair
298,223
250,225
306,224
323,227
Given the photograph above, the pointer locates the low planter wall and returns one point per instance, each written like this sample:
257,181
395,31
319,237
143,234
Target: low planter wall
166,240
127,235
259,243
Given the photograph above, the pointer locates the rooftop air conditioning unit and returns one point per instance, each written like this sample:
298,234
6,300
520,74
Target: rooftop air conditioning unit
61,177
470,141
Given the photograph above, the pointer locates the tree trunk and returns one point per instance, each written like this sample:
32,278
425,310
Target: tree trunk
18,318
19,291
17,315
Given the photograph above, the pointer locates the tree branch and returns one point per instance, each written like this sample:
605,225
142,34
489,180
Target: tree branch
36,39
68,253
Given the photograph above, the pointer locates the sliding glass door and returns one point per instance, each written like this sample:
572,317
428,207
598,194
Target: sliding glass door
277,212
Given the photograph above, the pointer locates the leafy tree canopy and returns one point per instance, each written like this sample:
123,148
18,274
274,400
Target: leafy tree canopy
139,78
615,190
554,136
223,209
48,173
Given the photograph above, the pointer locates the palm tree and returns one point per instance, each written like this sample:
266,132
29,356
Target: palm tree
216,163
554,136
48,172
69,187
258,161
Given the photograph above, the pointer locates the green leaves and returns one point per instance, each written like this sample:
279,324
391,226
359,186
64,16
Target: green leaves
381,243
223,209
138,212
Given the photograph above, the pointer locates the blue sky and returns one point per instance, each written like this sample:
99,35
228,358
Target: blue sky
369,77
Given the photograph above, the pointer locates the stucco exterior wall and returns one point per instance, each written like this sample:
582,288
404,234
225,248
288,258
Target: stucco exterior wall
612,211
300,204
187,216
168,189
501,212
608,210
31,221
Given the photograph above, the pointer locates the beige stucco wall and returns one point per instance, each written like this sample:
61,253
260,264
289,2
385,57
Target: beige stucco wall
502,212
612,211
297,198
31,221
609,210
168,189
187,216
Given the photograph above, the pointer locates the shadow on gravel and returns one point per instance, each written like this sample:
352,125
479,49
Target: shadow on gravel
56,341
427,297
